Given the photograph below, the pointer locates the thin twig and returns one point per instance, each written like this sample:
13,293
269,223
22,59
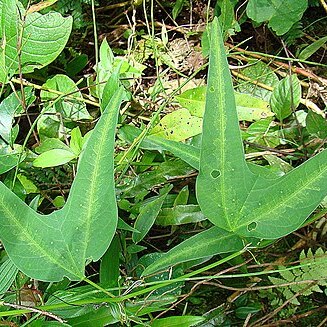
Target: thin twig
297,317
260,321
309,104
42,312
323,3
266,58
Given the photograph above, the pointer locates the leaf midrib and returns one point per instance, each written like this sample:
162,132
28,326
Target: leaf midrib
31,239
90,206
268,207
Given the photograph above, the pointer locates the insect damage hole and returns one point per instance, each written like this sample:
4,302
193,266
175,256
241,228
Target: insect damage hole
253,226
215,173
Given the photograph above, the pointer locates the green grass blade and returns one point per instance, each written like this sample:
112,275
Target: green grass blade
188,153
205,244
8,272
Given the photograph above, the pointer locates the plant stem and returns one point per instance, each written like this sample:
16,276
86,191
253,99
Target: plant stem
85,279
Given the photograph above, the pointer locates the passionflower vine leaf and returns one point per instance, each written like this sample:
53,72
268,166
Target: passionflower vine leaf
49,247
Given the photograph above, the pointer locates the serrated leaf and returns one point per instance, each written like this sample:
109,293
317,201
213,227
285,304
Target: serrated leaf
285,97
229,194
202,245
57,245
313,268
44,37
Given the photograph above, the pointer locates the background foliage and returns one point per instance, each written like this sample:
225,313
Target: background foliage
131,203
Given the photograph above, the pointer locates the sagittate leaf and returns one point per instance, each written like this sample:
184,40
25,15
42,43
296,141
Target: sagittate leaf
229,194
44,37
286,97
51,247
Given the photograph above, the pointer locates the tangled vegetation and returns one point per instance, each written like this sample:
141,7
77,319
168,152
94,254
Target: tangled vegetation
163,163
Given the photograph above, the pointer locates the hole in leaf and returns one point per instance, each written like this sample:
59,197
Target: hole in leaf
215,173
252,226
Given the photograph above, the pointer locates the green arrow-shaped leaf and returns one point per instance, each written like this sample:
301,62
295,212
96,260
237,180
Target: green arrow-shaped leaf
224,178
231,195
57,245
